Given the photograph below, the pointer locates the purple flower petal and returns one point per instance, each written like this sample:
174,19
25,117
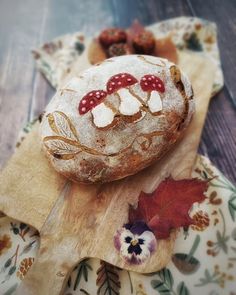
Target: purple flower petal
137,228
117,241
135,242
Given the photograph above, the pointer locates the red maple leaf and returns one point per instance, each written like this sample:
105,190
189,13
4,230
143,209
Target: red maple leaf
168,206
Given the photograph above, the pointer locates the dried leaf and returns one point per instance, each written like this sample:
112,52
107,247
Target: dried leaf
61,125
168,206
61,147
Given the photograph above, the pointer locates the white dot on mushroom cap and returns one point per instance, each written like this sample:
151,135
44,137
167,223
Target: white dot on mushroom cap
83,109
144,79
110,88
123,76
91,94
97,95
145,83
102,93
83,101
153,77
154,85
119,83
149,78
97,92
91,102
159,85
116,77
129,79
113,83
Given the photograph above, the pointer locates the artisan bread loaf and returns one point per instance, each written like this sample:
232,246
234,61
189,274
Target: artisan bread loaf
116,118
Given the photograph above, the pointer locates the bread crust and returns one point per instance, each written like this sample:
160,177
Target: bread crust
126,131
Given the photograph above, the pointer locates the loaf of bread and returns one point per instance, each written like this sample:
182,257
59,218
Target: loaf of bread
116,118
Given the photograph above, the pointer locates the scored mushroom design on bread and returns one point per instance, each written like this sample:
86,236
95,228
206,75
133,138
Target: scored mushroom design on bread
116,118
130,102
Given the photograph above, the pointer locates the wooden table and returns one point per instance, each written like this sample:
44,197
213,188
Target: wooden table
25,25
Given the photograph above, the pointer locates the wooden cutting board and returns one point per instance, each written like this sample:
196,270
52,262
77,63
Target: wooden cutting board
77,221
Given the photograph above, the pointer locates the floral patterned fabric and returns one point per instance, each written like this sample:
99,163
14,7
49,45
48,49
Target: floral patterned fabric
204,259
194,34
55,59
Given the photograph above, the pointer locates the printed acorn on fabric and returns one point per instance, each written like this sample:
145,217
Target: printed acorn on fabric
122,85
156,216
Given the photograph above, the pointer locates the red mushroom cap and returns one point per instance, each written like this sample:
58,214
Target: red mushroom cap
120,81
91,100
151,82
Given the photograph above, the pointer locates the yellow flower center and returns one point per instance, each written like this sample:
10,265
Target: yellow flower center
134,242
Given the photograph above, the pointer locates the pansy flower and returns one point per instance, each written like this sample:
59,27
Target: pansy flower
135,242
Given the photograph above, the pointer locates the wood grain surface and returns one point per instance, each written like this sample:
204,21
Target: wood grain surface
72,230
25,25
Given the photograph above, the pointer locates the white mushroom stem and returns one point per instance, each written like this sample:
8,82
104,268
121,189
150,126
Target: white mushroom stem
154,103
129,104
102,115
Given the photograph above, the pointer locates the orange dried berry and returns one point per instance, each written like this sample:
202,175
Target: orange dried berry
111,36
144,42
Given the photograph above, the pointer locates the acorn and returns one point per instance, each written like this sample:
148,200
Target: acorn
111,36
144,42
118,49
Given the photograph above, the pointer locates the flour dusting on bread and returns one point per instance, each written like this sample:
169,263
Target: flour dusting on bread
136,106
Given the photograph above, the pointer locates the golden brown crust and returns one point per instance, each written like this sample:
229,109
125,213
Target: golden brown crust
176,77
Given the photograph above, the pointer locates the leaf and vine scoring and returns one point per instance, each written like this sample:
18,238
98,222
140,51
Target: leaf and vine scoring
65,144
62,125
